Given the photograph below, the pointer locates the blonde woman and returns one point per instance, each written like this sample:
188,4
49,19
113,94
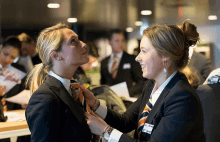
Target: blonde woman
169,109
52,114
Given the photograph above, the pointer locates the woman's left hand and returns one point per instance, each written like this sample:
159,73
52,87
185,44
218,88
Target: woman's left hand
96,124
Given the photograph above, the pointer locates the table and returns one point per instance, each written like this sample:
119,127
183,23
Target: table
14,129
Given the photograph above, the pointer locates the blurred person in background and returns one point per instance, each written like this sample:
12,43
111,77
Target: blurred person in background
208,93
9,51
192,76
29,55
169,108
120,66
200,63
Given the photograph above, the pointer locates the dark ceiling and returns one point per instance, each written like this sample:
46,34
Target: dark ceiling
96,15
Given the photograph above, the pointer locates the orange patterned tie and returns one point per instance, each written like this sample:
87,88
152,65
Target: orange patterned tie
81,98
114,67
143,116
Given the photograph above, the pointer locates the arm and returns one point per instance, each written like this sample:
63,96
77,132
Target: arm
43,118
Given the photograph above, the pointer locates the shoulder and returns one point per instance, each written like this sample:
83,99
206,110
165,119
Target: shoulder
182,90
17,66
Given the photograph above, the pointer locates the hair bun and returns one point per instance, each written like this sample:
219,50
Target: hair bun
190,32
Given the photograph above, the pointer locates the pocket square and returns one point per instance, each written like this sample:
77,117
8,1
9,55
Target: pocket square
127,66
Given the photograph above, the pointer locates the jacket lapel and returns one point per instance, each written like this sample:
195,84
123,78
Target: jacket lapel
57,87
162,96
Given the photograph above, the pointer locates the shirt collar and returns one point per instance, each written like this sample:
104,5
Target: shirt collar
156,95
64,81
118,55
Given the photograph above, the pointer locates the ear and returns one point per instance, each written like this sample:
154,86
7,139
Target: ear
54,55
165,59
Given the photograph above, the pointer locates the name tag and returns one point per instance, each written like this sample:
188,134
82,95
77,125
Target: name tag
147,128
127,66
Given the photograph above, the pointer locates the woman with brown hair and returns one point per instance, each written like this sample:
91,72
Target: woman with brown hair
168,109
52,114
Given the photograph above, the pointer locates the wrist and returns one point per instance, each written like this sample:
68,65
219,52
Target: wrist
96,105
107,132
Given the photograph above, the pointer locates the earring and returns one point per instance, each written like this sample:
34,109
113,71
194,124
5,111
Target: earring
164,69
60,58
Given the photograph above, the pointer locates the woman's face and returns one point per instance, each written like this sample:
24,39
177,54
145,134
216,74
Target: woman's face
151,63
73,50
8,55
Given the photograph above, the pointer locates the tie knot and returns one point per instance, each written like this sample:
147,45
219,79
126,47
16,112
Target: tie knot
74,84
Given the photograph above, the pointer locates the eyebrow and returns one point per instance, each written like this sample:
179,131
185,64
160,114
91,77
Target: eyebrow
72,37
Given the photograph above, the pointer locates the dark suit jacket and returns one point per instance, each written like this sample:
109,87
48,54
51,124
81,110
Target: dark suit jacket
210,98
201,64
176,115
36,59
53,116
131,75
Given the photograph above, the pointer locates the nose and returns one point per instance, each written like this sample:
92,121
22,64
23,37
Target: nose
83,45
137,59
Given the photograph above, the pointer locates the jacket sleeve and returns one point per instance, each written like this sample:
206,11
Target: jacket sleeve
43,118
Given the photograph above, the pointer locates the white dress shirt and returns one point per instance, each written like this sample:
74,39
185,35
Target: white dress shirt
110,62
102,109
64,81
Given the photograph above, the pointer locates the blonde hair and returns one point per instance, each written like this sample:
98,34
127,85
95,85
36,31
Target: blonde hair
172,41
23,37
50,39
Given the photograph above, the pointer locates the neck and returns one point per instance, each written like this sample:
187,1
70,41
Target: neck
64,72
162,77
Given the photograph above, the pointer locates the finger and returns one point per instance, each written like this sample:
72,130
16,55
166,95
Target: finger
87,115
92,113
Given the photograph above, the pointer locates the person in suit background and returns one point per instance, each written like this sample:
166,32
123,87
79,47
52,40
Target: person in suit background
208,93
200,64
169,108
52,114
120,66
29,51
9,51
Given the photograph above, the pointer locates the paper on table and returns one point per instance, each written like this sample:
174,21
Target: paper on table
121,90
21,98
14,116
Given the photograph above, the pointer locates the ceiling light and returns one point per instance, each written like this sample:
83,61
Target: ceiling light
146,12
129,29
138,23
72,20
212,17
53,5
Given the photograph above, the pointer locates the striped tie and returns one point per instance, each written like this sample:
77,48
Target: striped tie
143,116
114,67
81,98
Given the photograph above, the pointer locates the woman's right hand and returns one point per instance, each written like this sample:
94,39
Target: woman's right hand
2,90
90,98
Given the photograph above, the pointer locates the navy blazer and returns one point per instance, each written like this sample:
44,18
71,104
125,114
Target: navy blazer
210,98
176,115
53,116
130,75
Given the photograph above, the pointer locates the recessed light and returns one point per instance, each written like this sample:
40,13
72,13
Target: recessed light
72,20
138,23
53,5
129,29
146,12
212,17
